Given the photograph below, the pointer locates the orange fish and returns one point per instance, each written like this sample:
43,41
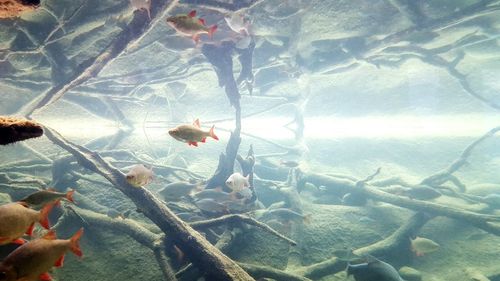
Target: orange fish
192,134
190,25
31,261
17,219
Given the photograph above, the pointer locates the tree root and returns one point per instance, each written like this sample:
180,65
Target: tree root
259,271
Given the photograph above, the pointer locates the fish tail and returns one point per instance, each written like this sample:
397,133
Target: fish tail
307,219
75,243
44,215
69,195
212,30
212,134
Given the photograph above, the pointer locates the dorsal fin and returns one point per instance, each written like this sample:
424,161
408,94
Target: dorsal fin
192,14
196,123
51,235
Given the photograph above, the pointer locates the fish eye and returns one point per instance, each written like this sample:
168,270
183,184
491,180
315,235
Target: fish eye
129,177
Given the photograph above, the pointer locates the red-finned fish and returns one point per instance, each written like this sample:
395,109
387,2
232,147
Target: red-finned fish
33,260
190,25
43,197
192,134
17,219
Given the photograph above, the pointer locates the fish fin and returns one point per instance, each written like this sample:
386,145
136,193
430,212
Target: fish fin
192,14
233,195
307,219
149,13
204,140
202,21
45,277
196,123
196,38
179,254
59,262
193,143
75,243
29,231
25,204
69,195
247,180
44,215
51,235
18,241
212,30
212,134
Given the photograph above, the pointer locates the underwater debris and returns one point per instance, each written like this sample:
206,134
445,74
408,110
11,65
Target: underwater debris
139,175
17,219
43,197
421,246
14,8
192,134
190,25
13,129
33,260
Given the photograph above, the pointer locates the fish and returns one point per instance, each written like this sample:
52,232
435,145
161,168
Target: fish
422,192
43,197
216,194
139,175
176,190
142,5
289,163
475,275
237,182
33,260
286,215
211,206
373,270
422,246
13,129
17,219
190,25
238,22
192,134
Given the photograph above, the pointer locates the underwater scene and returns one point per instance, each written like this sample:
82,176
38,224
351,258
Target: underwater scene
215,140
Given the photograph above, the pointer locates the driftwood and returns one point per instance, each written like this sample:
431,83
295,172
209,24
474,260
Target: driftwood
485,222
203,255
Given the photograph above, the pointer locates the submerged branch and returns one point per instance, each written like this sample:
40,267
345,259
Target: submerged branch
237,218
